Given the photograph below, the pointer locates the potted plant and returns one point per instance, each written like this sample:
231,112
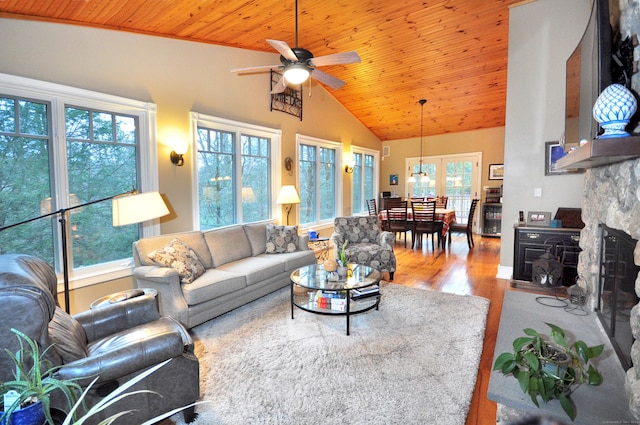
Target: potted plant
34,380
550,369
343,259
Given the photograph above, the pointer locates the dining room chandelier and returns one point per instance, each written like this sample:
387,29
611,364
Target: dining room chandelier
424,178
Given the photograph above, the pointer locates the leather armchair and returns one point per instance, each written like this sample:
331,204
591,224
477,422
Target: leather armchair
115,343
368,244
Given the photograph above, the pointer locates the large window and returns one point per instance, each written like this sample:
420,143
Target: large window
235,171
364,178
68,147
319,163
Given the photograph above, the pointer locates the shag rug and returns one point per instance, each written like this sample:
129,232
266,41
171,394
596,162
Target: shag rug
413,361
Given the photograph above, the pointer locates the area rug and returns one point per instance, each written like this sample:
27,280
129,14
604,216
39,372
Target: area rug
413,361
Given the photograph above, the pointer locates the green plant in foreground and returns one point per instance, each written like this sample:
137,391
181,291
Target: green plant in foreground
550,369
34,379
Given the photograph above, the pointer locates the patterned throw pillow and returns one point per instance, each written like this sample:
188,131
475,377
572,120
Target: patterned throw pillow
177,255
281,239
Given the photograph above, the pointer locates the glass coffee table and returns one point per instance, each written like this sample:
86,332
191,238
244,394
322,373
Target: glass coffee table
313,289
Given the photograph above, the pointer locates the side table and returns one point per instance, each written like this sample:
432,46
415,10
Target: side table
121,296
320,246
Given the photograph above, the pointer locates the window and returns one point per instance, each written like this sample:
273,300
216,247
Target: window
98,148
319,163
364,178
235,171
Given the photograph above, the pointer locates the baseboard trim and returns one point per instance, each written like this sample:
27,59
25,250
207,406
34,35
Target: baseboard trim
504,272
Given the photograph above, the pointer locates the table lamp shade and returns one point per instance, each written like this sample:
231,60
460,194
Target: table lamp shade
288,195
138,208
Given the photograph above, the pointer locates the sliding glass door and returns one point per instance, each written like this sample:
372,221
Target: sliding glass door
454,176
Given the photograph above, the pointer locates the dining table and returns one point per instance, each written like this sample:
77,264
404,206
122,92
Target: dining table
446,215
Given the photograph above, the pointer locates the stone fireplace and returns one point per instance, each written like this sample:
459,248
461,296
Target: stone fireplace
612,198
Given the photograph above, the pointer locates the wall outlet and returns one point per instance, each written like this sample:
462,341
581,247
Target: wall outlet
537,192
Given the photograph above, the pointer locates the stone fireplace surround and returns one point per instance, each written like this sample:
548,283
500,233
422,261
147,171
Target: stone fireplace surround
612,197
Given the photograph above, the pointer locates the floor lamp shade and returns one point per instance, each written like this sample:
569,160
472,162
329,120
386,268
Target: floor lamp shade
288,195
138,208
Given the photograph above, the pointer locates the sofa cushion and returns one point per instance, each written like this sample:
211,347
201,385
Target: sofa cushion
257,234
255,269
227,244
180,257
212,284
281,239
195,240
292,260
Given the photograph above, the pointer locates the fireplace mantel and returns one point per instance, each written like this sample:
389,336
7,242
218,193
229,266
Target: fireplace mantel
600,152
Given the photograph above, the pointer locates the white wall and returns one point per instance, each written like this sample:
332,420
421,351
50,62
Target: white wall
542,35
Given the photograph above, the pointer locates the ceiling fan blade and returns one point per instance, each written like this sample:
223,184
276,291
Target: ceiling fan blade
336,59
280,86
283,48
256,69
327,79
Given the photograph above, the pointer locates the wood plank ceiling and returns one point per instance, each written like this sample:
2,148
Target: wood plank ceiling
451,52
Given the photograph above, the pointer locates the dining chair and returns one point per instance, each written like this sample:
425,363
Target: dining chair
468,228
442,201
371,206
397,218
424,222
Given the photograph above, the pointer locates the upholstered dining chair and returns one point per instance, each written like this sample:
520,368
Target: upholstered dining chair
368,244
114,343
424,222
398,219
467,228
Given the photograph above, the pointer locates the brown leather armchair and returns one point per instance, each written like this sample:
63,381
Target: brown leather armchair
114,343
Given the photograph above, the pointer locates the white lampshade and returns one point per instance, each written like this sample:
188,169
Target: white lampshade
288,195
296,74
138,208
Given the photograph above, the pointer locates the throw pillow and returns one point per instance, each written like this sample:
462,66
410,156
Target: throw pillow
177,255
281,239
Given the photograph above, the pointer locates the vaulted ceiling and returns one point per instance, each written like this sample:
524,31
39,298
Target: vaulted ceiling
451,52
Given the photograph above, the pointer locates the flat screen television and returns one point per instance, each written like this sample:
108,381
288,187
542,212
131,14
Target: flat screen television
588,73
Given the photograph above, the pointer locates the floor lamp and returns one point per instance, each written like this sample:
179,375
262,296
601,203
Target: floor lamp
288,195
128,208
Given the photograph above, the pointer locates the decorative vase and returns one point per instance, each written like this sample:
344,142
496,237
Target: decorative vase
32,414
613,109
342,271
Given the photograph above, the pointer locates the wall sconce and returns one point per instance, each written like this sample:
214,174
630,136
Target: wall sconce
179,149
348,169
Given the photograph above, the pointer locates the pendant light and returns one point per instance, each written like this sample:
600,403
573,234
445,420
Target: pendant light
423,176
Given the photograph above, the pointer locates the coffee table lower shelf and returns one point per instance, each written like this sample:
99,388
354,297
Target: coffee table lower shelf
353,307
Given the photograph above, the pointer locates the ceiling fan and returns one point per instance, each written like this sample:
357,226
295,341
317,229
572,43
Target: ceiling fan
298,64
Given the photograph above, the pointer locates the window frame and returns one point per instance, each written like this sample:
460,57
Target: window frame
339,177
60,96
239,128
376,175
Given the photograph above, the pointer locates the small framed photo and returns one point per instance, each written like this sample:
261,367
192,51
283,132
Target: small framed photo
393,179
538,218
552,153
496,171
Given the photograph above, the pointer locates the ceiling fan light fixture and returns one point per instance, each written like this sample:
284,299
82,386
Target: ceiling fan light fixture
296,73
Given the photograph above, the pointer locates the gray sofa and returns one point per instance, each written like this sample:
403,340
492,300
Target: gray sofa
237,270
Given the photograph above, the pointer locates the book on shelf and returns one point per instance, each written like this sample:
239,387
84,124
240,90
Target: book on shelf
369,291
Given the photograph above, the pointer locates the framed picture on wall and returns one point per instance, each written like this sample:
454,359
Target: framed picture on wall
393,179
496,171
553,151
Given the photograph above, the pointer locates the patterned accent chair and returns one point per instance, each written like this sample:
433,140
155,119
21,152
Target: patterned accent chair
368,244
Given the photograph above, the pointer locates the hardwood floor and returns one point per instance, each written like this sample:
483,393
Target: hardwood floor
460,270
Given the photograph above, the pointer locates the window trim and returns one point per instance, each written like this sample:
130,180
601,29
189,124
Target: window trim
376,173
238,128
59,96
329,144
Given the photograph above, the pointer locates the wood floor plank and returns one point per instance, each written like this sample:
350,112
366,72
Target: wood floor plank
463,271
